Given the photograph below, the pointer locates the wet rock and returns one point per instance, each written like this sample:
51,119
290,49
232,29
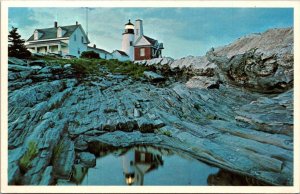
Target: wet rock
87,159
47,178
64,159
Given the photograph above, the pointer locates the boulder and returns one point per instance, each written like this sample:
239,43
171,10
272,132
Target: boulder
16,61
41,63
36,67
87,159
18,68
153,77
67,66
250,70
203,82
145,126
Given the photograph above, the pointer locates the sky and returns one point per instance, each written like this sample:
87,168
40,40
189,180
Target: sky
183,31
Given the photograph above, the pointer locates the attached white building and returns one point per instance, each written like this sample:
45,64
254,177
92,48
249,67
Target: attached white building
63,40
120,55
102,53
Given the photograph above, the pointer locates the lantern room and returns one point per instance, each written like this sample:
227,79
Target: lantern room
129,28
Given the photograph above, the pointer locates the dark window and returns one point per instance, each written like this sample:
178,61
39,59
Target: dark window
82,39
78,51
75,37
130,43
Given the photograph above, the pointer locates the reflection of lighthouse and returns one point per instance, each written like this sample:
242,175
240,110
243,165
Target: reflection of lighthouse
137,163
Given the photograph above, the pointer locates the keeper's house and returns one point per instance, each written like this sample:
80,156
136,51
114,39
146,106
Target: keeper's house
62,40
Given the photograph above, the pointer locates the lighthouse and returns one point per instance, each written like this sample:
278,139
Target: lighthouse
128,40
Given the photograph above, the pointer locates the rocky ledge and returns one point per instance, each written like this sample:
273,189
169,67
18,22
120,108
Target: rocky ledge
56,121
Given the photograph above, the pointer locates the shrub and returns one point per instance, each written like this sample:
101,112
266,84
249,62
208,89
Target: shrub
31,152
90,55
84,66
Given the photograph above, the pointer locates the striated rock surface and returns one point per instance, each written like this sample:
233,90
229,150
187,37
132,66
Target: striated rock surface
218,122
262,62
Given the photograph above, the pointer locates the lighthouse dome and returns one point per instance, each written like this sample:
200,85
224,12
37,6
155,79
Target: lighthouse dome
129,28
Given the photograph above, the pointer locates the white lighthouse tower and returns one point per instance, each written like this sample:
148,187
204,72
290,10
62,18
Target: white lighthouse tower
128,39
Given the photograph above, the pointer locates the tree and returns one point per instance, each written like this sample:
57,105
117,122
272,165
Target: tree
16,47
90,55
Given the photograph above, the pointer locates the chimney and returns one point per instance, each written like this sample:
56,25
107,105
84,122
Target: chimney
94,46
138,29
55,24
76,23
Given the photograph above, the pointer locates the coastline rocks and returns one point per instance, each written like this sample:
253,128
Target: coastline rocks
224,125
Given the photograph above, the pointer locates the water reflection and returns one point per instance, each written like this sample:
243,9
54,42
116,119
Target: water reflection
226,178
136,163
147,165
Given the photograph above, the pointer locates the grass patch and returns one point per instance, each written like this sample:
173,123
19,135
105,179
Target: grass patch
211,117
167,133
83,66
127,68
57,150
31,152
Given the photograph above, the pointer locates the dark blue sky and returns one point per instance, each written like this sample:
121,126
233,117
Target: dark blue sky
184,31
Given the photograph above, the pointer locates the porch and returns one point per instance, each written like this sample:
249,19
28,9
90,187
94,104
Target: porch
49,47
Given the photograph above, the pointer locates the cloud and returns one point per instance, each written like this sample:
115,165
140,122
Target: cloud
184,31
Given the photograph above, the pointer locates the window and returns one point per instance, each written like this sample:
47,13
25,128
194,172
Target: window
143,157
142,52
36,35
78,51
74,37
137,32
82,39
130,43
